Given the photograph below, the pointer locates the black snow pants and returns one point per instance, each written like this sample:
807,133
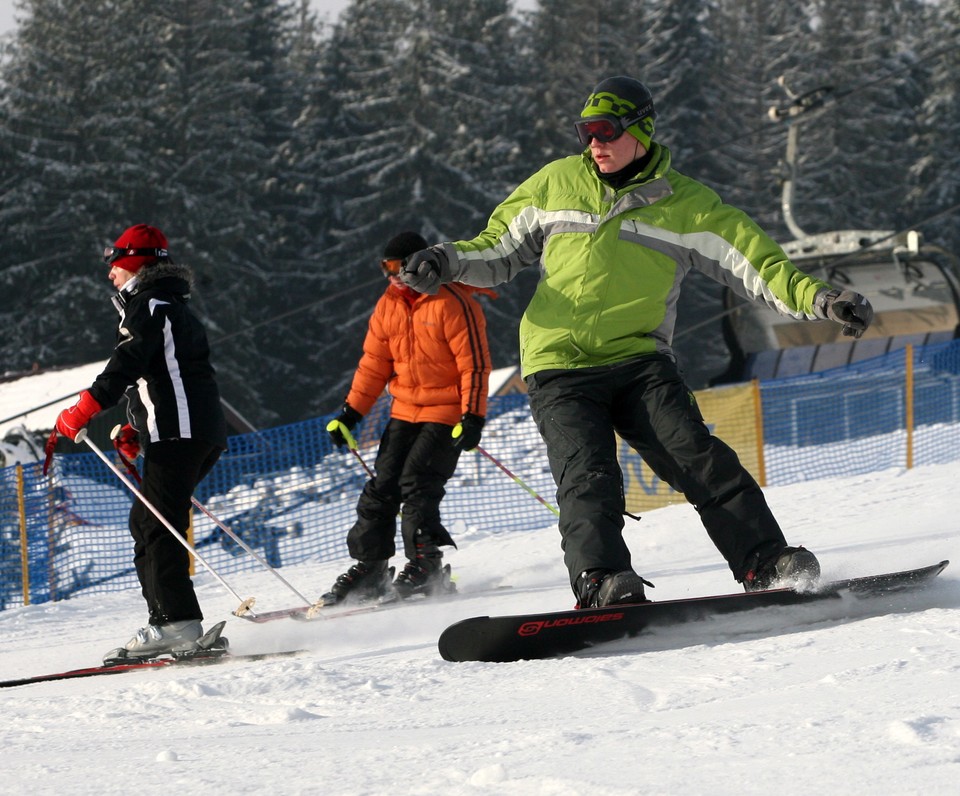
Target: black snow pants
646,402
413,465
171,471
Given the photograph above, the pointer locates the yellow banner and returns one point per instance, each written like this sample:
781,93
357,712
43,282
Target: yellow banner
731,413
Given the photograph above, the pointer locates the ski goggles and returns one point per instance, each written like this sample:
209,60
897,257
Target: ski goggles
606,127
113,253
391,266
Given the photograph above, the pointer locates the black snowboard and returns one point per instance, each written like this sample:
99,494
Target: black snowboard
532,636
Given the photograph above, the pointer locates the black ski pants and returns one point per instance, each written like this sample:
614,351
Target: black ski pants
171,471
413,465
646,402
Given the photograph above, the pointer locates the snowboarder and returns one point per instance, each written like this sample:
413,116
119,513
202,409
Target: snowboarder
161,363
614,230
432,354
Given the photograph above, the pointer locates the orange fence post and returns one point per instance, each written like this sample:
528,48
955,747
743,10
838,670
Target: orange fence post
908,402
758,421
193,566
24,554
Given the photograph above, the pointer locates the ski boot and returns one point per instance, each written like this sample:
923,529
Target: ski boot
426,574
153,641
178,640
363,582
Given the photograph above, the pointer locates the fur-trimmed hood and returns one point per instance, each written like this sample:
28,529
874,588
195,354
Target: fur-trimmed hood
174,277
149,274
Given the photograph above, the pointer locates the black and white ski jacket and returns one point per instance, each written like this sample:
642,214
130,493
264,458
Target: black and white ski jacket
162,361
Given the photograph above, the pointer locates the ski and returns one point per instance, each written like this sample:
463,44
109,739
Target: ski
318,611
533,636
136,665
309,613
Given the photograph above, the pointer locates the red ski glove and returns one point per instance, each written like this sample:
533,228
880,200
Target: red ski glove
126,440
48,450
77,416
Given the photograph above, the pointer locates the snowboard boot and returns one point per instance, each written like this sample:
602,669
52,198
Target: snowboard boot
598,588
426,574
152,641
792,568
363,582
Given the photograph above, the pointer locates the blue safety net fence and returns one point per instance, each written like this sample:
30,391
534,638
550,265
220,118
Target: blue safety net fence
809,422
291,496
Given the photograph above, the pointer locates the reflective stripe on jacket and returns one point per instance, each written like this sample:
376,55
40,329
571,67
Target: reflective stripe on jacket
612,260
162,361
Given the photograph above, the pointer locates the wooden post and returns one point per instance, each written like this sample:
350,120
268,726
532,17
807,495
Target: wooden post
758,422
24,553
908,402
193,564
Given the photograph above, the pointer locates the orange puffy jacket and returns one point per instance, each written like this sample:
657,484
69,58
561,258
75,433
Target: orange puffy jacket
432,353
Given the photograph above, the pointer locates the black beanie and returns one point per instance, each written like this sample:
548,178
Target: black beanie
403,245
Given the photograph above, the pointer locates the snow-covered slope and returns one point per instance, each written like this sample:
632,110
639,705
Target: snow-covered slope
763,703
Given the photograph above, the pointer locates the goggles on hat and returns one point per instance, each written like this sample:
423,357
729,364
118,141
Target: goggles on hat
391,265
607,127
113,253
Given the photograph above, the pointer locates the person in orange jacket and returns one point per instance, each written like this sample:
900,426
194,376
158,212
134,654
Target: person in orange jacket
431,352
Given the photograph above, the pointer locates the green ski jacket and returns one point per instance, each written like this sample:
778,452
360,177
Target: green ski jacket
612,261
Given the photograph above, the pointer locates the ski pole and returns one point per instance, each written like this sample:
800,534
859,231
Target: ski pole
550,506
352,445
354,449
245,605
132,469
356,453
351,442
229,532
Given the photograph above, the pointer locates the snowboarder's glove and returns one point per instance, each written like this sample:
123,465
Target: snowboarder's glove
845,307
126,440
339,428
426,270
77,416
466,434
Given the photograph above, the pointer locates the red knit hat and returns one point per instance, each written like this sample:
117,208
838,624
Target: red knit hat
138,246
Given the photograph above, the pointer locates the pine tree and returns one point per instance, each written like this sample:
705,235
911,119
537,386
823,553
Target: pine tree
178,119
416,99
574,44
858,152
72,152
936,171
759,43
491,132
681,54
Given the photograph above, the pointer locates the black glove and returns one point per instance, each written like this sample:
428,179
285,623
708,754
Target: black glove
425,270
846,307
466,434
339,428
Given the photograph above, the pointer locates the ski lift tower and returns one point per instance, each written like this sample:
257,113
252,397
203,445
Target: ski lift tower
913,286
